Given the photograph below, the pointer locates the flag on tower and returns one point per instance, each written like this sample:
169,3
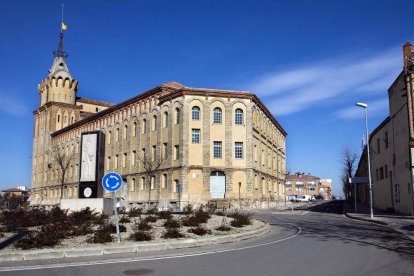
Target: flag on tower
64,27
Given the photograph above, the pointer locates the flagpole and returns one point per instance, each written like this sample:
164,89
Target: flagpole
61,29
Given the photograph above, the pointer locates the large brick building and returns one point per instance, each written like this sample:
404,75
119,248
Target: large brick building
212,143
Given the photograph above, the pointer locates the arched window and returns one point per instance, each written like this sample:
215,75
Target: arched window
117,135
217,115
177,115
165,119
134,129
238,117
125,134
195,114
144,126
154,123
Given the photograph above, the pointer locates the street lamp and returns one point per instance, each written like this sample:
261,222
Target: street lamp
365,106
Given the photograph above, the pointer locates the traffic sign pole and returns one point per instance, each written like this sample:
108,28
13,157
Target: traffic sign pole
118,235
112,182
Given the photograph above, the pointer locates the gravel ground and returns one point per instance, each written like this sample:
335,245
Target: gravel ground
157,231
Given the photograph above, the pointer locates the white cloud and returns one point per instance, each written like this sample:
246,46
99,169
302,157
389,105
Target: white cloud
315,84
354,112
12,106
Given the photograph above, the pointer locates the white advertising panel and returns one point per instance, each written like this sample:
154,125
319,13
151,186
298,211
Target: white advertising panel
88,157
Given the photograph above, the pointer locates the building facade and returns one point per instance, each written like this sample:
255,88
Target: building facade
392,148
210,144
302,184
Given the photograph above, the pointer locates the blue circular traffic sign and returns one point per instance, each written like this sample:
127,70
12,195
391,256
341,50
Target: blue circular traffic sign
112,181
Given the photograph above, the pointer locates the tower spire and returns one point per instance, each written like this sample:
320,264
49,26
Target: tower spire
60,52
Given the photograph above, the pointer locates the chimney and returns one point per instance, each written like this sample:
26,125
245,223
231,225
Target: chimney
407,53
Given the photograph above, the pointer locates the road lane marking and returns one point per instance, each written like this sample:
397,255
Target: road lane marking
154,258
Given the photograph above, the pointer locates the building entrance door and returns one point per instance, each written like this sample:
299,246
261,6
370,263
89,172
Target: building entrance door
217,184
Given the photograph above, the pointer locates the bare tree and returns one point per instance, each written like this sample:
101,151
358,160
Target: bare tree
63,159
348,164
150,164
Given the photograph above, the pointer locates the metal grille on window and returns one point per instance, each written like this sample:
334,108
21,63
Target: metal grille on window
195,113
195,138
238,150
239,116
217,115
217,150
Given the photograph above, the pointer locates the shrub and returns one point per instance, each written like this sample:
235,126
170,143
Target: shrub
200,231
100,219
143,225
165,215
15,220
223,226
112,227
124,219
220,213
102,235
135,212
85,215
151,218
172,233
188,209
152,211
201,215
58,215
243,218
80,230
37,239
141,236
172,223
1,235
240,222
190,221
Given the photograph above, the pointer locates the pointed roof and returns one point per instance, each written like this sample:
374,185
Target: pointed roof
59,67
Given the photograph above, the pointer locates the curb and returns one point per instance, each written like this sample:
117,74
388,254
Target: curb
382,223
42,254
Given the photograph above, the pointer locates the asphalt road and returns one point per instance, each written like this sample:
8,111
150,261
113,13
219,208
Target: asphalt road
315,240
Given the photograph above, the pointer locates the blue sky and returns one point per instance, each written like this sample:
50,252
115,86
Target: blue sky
309,62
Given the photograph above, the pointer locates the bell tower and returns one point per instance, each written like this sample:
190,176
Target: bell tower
57,109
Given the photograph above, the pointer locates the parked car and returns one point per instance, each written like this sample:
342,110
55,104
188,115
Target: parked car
303,198
292,198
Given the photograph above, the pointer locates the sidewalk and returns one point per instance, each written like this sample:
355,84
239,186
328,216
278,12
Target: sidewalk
400,223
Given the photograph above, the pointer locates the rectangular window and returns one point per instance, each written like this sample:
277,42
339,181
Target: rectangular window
143,153
386,171
238,150
386,140
176,152
152,182
195,137
165,150
217,146
381,172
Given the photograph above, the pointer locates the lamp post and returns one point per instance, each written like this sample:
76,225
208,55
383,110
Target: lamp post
365,106
239,196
